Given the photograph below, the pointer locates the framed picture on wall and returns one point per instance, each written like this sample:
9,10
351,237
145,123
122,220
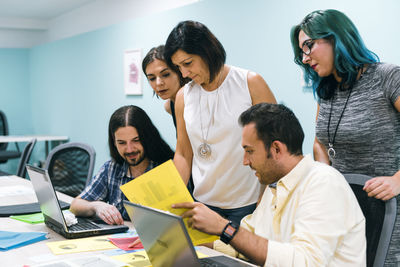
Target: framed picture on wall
132,75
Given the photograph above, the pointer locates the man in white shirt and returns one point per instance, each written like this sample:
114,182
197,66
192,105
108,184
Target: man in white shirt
308,215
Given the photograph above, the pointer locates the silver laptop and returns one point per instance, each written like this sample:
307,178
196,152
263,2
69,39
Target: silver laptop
52,213
166,240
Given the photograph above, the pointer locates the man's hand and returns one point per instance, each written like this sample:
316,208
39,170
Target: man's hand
202,218
107,212
383,187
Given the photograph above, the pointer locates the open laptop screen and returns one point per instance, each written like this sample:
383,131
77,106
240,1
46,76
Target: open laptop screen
163,236
167,242
46,195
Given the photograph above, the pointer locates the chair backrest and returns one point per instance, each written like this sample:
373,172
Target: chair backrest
380,218
25,156
71,167
3,129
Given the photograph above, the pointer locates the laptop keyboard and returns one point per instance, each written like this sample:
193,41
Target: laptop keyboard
205,262
80,226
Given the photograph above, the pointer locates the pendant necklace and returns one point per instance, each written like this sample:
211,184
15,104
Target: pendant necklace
331,150
204,149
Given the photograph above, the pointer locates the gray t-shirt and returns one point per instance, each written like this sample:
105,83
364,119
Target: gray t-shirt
368,137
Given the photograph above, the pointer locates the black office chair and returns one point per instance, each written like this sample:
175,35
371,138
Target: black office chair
380,217
71,167
25,156
5,154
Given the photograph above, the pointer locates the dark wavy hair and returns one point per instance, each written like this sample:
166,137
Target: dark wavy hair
155,148
275,122
350,52
158,53
195,38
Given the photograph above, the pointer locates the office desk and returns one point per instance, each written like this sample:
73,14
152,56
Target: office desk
23,255
20,256
27,138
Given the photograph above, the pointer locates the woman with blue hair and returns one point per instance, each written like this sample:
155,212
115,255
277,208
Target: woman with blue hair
358,120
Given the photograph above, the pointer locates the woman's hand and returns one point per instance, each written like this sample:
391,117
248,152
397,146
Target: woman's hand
383,187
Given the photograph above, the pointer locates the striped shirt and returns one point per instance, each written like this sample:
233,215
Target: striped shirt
105,185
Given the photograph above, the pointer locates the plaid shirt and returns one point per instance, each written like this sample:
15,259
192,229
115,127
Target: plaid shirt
105,185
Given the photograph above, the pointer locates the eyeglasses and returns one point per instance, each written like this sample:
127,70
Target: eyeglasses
307,46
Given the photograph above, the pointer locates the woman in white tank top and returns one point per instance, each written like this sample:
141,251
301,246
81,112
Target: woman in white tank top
207,111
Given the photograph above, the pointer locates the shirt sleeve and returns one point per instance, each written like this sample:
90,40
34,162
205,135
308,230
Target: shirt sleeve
390,75
97,189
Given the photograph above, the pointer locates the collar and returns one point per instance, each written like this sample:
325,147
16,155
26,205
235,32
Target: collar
125,167
290,180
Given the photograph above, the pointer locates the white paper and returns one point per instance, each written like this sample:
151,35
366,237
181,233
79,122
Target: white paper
90,261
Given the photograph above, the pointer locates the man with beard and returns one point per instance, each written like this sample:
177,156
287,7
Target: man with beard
308,215
135,148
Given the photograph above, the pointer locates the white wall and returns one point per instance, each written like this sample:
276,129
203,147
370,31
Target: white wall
20,32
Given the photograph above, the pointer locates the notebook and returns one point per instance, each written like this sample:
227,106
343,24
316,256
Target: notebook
52,213
166,240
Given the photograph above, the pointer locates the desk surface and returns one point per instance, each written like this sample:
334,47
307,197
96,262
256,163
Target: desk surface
23,255
27,138
20,256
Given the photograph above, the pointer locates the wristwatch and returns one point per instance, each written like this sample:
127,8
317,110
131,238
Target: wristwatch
229,232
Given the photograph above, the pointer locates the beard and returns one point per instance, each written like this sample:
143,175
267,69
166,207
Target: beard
137,161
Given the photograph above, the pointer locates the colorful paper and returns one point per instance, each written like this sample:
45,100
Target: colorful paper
29,218
160,188
123,243
137,258
80,245
11,240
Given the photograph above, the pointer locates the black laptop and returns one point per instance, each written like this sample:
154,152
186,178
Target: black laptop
52,213
167,242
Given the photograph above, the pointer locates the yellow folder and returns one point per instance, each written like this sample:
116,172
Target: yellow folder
160,188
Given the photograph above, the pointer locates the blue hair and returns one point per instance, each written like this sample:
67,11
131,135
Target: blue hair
349,49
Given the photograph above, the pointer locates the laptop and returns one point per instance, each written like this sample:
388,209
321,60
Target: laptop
166,240
52,213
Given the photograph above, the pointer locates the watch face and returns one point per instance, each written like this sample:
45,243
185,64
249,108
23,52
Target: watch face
230,230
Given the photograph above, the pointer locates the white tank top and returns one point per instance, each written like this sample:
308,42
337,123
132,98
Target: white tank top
222,180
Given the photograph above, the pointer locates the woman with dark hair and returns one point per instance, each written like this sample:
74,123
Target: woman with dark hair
358,120
207,112
135,148
165,80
